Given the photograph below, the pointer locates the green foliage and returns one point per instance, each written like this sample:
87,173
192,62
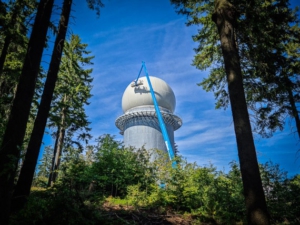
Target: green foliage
14,26
202,191
44,168
95,5
293,199
281,193
72,91
45,163
71,95
115,168
267,37
62,204
108,172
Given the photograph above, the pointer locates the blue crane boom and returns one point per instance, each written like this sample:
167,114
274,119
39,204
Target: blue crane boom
159,116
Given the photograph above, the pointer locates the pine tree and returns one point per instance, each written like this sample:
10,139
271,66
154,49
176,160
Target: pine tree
225,18
43,169
218,46
16,125
15,28
22,188
266,33
18,118
71,95
45,164
13,45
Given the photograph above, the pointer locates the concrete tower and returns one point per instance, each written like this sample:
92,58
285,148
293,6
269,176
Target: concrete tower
139,123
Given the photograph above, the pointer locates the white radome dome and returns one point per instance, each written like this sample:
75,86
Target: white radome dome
141,96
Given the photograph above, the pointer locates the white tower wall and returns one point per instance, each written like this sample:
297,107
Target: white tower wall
139,123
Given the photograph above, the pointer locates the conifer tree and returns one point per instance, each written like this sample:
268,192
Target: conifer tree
45,165
19,114
13,44
43,168
267,35
220,48
16,125
15,28
71,95
22,189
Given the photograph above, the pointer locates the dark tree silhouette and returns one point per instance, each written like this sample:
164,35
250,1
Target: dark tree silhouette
22,189
225,17
16,126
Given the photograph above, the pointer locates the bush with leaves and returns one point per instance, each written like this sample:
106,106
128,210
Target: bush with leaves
115,167
109,169
68,201
210,195
282,194
61,204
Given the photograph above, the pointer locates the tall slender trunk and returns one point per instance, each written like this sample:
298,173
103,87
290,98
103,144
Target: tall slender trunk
16,125
60,144
23,186
49,184
256,208
293,105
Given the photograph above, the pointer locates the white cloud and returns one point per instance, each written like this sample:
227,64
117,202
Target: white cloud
121,39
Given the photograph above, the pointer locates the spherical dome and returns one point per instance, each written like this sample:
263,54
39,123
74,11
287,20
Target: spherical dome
135,96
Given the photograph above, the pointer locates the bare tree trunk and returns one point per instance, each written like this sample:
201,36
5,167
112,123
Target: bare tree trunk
16,126
53,158
293,105
256,208
91,186
60,144
23,186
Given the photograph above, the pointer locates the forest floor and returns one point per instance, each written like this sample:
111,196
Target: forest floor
120,214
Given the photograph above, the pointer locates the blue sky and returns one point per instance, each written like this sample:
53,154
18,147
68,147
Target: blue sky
132,31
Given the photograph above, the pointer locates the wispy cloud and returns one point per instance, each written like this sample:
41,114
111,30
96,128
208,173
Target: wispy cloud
121,39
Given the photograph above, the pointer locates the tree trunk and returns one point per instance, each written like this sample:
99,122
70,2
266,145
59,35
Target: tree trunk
59,142
256,208
16,126
61,138
293,104
53,159
23,186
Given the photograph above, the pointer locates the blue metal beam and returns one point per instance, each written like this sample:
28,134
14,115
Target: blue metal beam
159,116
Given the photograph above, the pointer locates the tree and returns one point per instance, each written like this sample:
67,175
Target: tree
95,5
266,34
115,168
16,125
207,195
268,45
14,30
22,188
71,95
43,169
44,166
19,12
225,16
